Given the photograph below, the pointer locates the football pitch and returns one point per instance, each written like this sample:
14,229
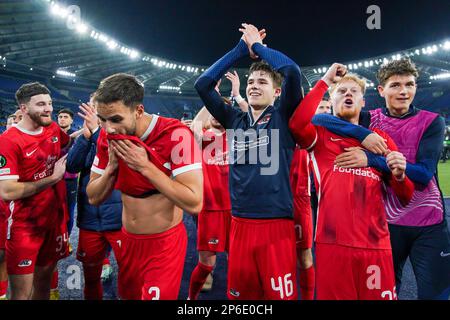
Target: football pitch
444,178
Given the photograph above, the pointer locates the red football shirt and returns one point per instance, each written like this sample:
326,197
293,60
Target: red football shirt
216,194
28,157
351,210
3,209
300,181
170,145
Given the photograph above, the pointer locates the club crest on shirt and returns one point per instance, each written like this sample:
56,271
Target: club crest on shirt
2,161
234,293
265,119
213,241
25,263
55,139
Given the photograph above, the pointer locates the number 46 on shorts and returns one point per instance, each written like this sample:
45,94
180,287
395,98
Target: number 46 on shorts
283,285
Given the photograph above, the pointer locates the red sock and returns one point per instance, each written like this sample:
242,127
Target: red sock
3,287
307,283
93,289
55,278
198,279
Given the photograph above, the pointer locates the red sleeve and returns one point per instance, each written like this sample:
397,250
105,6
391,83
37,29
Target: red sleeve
10,156
390,143
102,157
300,124
185,153
404,190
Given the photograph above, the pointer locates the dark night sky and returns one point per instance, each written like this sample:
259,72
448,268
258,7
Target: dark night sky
312,33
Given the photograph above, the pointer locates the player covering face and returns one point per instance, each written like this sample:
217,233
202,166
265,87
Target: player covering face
134,155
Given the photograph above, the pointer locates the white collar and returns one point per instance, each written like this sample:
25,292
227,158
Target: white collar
150,128
31,133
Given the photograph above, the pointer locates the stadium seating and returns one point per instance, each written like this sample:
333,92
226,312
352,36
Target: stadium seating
68,95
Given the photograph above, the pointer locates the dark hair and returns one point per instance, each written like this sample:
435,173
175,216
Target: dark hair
277,78
29,90
67,111
402,67
120,87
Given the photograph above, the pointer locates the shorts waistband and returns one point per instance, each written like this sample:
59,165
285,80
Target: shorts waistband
216,211
166,233
260,221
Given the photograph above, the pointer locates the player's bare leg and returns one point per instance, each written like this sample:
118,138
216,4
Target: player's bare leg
21,286
42,282
305,258
307,273
208,258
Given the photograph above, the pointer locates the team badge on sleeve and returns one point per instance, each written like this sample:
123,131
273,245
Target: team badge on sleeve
2,161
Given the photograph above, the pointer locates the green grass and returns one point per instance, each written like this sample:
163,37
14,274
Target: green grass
444,177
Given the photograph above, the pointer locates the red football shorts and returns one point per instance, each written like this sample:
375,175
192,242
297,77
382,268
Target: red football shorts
151,266
345,273
262,260
27,248
3,228
213,231
303,222
93,246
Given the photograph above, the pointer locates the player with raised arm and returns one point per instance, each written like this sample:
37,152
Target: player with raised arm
235,90
214,220
262,258
100,226
353,252
300,181
418,231
152,161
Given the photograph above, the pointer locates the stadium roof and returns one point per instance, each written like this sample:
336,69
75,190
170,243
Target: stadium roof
48,38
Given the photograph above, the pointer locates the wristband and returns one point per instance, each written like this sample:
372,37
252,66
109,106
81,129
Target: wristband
238,99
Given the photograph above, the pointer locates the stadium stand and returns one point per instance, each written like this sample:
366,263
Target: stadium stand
169,89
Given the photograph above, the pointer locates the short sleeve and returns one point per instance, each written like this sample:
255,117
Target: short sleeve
102,157
9,160
185,155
